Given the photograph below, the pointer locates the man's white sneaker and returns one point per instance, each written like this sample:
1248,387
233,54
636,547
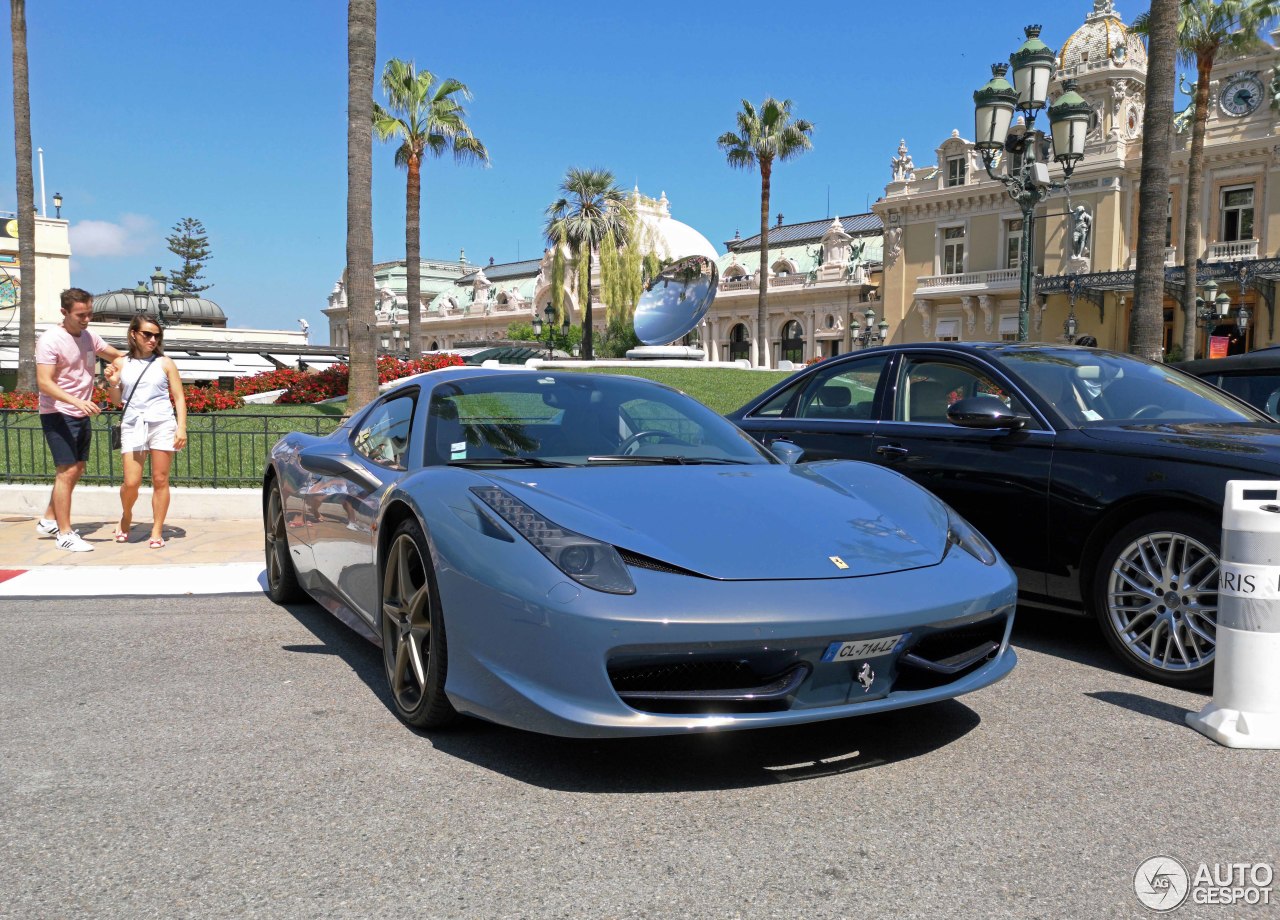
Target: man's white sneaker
46,528
73,543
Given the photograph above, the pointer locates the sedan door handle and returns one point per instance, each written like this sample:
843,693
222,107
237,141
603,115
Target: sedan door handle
892,451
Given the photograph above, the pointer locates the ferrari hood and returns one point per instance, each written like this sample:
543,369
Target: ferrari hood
821,520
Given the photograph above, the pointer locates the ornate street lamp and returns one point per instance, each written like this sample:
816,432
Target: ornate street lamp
57,205
169,306
550,314
994,106
874,333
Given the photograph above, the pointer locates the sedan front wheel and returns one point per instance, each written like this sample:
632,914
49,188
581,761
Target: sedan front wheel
1156,597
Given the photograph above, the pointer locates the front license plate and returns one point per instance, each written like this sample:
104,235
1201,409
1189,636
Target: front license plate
860,648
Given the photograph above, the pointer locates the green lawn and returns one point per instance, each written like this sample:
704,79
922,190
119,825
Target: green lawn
721,388
229,448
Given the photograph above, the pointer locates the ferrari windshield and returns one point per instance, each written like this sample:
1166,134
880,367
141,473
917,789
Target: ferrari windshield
1090,386
559,418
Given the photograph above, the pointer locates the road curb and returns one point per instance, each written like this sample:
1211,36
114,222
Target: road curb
103,502
114,581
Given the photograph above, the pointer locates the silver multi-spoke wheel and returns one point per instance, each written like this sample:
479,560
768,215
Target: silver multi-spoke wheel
413,644
1161,600
282,578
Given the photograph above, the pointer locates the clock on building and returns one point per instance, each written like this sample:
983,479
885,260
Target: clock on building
1241,94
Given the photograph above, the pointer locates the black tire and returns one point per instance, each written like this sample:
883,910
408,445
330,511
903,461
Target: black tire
1155,594
282,577
415,653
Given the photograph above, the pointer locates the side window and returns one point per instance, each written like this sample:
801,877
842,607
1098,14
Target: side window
777,405
383,436
927,388
846,391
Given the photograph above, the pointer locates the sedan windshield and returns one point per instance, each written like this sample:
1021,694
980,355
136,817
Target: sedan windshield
1089,386
571,419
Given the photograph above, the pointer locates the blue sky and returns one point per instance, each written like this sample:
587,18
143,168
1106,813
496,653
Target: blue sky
235,113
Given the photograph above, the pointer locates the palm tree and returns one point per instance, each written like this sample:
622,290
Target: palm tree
362,385
590,209
427,118
1206,27
1146,323
26,195
765,135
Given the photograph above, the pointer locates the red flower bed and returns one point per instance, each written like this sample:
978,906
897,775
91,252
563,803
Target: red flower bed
301,387
332,381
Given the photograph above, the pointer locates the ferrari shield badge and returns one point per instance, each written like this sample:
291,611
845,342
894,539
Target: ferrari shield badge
838,562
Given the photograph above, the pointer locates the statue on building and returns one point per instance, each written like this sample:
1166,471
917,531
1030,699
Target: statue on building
1182,120
892,246
904,170
1081,230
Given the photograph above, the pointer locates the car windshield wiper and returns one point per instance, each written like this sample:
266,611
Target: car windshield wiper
508,461
671,459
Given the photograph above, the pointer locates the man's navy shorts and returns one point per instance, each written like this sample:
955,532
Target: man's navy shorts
68,437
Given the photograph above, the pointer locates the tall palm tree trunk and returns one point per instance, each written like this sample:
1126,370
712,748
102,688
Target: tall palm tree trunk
763,355
1195,170
1146,322
26,195
587,336
412,253
361,51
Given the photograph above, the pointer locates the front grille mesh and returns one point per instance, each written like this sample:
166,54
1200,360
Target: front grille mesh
685,675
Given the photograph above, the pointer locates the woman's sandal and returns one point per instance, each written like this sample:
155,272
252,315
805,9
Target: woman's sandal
156,544
120,536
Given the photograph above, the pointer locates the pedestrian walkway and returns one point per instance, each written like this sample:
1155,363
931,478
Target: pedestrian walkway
199,557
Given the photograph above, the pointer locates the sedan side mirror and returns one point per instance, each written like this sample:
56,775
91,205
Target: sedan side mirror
988,412
787,452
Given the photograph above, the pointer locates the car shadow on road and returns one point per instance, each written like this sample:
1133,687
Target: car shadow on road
680,763
1062,635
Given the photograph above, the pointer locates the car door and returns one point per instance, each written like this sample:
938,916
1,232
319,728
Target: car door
998,480
343,523
831,412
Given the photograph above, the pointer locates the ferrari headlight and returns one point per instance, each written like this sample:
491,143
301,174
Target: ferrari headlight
962,534
586,560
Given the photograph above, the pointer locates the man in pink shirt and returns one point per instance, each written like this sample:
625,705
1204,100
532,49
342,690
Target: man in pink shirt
65,357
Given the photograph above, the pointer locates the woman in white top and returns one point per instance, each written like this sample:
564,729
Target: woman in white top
144,380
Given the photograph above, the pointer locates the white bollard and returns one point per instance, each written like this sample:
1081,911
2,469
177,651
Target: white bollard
1245,711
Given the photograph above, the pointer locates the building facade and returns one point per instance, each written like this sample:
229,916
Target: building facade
952,232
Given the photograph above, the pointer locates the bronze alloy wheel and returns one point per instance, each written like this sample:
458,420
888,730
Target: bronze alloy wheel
414,650
282,578
1160,607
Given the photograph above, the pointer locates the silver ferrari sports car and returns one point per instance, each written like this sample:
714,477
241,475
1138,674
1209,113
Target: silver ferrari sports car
593,554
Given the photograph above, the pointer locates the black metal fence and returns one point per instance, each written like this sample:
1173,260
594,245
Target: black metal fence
222,449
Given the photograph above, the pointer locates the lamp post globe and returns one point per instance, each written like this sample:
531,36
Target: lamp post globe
1032,67
1069,118
993,110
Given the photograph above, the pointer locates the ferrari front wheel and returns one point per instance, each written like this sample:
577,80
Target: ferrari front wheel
414,650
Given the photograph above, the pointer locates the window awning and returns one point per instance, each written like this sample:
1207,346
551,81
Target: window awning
190,368
255,364
947,329
9,359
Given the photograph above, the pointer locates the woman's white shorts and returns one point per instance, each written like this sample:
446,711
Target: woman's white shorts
142,435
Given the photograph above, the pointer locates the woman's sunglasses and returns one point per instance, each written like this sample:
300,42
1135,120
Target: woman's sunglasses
150,335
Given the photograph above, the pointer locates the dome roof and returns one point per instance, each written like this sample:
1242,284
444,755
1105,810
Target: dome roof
665,235
119,305
1103,38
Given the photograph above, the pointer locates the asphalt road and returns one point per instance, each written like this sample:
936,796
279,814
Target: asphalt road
225,757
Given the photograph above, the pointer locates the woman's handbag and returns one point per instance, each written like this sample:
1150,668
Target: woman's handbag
113,432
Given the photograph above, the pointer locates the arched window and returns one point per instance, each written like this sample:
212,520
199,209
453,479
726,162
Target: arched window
739,343
435,346
793,342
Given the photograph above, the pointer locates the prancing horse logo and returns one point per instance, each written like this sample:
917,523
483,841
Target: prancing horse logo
866,677
838,562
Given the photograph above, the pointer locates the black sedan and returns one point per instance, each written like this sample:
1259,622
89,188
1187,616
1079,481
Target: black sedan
1098,476
1254,377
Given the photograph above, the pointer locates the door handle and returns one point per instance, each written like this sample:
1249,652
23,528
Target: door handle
892,451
